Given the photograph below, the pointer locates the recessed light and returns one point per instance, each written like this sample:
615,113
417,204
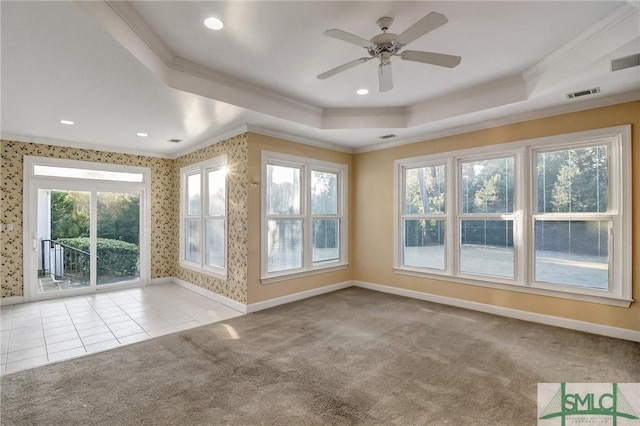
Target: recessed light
142,135
67,122
362,91
213,23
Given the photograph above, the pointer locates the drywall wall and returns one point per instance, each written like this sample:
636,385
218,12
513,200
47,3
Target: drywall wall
373,221
260,292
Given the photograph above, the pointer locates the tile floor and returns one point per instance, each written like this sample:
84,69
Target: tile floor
37,333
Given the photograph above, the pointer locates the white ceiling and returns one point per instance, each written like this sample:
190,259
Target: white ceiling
118,68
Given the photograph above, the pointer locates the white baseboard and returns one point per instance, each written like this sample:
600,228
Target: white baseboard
587,327
240,307
254,307
11,300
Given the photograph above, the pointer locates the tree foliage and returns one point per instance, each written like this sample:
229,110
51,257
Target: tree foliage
69,214
118,215
573,181
568,181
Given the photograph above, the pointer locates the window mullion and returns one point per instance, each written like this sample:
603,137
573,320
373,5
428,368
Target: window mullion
205,202
307,224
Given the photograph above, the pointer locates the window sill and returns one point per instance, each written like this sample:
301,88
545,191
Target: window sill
292,275
607,299
203,271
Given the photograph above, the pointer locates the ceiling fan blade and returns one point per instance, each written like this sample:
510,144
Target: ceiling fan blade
385,77
348,37
420,28
341,68
439,59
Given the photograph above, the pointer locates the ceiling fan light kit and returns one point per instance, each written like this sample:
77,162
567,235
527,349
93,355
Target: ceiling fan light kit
386,45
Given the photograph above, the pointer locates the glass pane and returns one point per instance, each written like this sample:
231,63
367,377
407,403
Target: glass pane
487,186
216,180
573,180
72,172
283,190
193,195
424,243
192,241
63,233
487,247
214,242
284,244
118,234
326,240
424,190
324,193
573,253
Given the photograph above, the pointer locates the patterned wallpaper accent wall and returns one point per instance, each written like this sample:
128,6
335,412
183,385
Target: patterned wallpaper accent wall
236,149
163,206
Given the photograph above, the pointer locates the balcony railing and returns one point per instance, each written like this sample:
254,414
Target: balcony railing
63,262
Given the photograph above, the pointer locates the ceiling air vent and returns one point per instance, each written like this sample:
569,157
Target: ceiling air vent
174,140
583,93
389,136
625,62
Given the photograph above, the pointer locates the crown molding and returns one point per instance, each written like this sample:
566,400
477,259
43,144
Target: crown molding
297,139
424,137
80,145
211,141
511,119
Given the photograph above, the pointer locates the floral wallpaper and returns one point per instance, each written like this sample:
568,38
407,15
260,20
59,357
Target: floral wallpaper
163,206
236,149
165,181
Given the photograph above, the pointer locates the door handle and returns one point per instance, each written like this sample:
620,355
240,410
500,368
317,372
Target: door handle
34,242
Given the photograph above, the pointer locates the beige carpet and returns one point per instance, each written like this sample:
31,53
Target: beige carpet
349,357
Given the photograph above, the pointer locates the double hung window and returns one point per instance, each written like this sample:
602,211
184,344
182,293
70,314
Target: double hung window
547,216
572,220
304,220
203,239
486,216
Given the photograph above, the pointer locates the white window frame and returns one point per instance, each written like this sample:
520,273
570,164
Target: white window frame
515,216
306,165
201,168
618,141
401,208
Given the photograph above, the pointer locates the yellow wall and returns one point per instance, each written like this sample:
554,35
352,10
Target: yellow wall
373,221
257,291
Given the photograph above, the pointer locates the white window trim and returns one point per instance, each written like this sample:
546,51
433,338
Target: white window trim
30,184
306,165
202,167
617,138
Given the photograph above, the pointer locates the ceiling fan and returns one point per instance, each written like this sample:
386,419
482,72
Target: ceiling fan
386,45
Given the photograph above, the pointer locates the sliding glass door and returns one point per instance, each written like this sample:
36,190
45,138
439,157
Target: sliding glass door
84,227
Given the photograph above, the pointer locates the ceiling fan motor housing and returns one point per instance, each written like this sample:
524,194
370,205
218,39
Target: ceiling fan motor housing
384,43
